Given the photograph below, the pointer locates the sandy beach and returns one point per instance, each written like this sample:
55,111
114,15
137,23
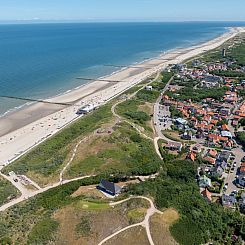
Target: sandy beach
22,130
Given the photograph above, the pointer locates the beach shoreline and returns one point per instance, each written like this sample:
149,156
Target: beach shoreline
153,55
22,130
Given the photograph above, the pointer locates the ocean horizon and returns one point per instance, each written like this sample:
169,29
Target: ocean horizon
43,60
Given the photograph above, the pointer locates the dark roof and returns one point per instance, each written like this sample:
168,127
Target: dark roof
228,200
222,164
224,156
212,79
109,186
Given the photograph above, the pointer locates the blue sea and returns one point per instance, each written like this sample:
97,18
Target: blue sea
43,60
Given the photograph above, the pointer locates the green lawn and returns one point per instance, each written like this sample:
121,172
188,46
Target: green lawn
89,205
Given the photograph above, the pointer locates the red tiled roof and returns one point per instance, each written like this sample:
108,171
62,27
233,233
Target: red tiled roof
192,156
207,194
225,127
209,127
223,138
212,152
214,121
210,160
213,136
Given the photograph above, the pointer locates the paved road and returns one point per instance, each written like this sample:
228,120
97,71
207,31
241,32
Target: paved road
26,196
239,154
22,188
163,112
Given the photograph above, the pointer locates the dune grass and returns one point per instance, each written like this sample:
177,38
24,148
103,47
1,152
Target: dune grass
7,191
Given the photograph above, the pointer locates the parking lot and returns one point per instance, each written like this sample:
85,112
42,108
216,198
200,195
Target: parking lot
163,117
230,181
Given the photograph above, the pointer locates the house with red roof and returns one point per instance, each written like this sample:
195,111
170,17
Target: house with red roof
225,127
212,153
207,195
210,160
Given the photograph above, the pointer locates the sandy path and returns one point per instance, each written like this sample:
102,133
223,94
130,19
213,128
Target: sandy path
20,140
145,223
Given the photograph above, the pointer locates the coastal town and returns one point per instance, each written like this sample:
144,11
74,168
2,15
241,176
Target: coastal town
204,112
165,148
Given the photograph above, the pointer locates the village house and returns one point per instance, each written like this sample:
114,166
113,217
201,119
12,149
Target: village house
191,156
242,203
148,88
231,97
210,81
207,195
228,201
174,146
225,111
204,182
187,135
225,127
109,188
210,160
226,134
217,171
212,153
241,180
197,148
224,156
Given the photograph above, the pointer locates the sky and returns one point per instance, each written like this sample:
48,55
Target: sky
123,10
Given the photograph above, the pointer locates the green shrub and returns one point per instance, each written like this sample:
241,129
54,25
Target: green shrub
140,116
43,231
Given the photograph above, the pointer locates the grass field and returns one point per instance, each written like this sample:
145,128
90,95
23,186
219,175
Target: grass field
122,151
140,108
160,227
7,191
136,234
